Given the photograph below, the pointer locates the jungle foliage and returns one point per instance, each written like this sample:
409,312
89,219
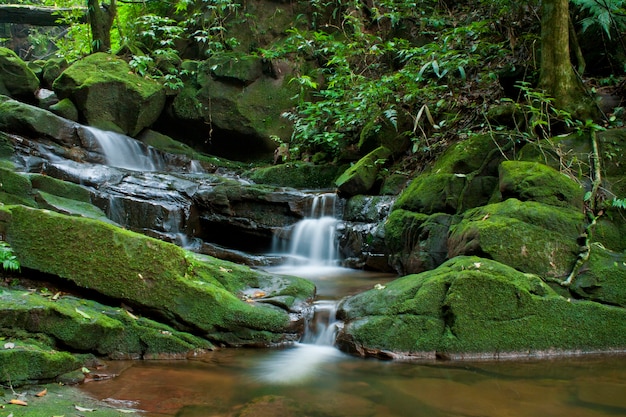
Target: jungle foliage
430,70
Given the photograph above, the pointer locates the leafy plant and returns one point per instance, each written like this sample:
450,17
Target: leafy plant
7,258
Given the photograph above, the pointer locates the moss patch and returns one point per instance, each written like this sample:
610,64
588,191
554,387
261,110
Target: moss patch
144,272
360,178
474,305
296,175
529,236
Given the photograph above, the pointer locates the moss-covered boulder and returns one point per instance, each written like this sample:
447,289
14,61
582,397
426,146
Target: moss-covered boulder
465,176
107,93
26,361
471,306
417,242
243,103
296,175
603,278
15,188
224,302
30,121
65,108
16,79
80,325
529,236
533,181
361,177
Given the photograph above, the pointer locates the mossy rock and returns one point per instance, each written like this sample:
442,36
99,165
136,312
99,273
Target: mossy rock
60,188
603,277
16,78
27,362
86,326
478,155
61,400
6,148
236,68
361,177
296,175
417,242
69,206
52,69
106,92
65,108
471,306
529,236
431,193
533,181
184,290
24,119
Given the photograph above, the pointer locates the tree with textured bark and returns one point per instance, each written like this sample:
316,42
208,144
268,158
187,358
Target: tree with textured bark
101,19
557,76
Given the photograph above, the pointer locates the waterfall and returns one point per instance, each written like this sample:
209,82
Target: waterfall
312,241
122,151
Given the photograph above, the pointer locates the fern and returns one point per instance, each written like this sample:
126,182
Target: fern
607,14
619,203
8,259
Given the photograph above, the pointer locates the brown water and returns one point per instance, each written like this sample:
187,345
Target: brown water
311,379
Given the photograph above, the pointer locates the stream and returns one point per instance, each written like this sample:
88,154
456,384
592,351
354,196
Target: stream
312,377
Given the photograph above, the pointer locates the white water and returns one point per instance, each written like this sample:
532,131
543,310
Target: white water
312,242
122,151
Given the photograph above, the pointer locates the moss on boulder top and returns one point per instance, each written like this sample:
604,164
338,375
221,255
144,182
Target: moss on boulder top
205,295
107,93
471,306
361,177
529,236
296,175
16,79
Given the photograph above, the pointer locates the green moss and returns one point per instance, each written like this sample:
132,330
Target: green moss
27,362
148,272
66,109
6,146
474,305
69,206
17,78
432,193
296,175
360,177
603,277
528,236
60,188
476,153
532,181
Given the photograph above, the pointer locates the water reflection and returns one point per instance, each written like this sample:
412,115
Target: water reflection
267,383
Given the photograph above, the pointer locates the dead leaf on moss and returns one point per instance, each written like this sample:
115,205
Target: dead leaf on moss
42,393
83,409
18,402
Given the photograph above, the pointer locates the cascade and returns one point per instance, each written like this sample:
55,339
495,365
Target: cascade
312,241
122,151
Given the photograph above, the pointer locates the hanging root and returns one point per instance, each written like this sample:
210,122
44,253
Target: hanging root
585,248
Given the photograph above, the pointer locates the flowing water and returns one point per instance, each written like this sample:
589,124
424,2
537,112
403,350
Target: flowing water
313,378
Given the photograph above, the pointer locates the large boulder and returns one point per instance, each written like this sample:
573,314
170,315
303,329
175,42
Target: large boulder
529,236
234,103
16,79
474,307
109,95
223,302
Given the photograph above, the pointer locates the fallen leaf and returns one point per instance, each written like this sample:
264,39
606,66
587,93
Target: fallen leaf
379,287
18,402
259,294
131,315
9,345
42,393
56,296
225,269
83,409
82,313
477,265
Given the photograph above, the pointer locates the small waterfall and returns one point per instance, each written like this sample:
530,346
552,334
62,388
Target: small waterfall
122,151
322,328
312,241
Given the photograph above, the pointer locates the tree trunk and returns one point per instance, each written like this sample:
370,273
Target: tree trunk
36,16
101,19
557,77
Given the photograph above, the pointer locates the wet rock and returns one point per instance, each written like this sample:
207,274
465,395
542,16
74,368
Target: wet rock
108,95
474,306
297,175
188,292
31,121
